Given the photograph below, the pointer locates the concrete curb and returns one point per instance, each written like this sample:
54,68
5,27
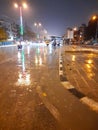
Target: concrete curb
86,50
7,45
61,74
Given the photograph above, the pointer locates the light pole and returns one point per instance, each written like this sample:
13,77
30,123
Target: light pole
95,17
21,6
37,25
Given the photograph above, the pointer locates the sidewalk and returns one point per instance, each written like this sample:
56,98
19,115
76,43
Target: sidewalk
4,52
74,48
8,45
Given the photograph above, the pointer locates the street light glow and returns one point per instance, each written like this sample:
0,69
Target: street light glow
24,5
39,24
35,24
15,5
75,28
94,17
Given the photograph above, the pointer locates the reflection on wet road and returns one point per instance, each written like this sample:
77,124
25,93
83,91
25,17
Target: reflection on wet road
81,71
23,75
20,73
32,96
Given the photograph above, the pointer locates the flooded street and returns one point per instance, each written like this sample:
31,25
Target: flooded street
32,96
21,107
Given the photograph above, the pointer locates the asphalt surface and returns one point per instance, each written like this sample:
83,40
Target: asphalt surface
80,68
32,95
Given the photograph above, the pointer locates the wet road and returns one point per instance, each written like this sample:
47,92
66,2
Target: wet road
81,69
32,96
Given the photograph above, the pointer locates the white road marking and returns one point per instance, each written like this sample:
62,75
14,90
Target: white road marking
91,103
67,85
60,65
54,111
60,72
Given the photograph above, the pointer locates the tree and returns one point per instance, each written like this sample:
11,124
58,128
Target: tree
3,34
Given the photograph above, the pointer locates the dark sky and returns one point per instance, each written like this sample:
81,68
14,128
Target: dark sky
55,15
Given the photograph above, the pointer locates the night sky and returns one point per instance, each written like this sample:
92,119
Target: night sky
55,15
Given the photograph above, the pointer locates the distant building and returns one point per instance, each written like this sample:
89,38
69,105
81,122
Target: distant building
75,35
82,32
69,33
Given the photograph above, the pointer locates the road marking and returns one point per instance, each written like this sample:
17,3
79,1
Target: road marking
60,73
53,110
60,65
67,85
90,102
93,105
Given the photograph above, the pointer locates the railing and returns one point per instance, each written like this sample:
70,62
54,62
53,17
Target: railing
6,43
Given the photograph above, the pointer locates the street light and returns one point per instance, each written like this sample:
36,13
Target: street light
95,17
37,25
75,34
75,28
21,6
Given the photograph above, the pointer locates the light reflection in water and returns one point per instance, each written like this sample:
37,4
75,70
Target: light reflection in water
40,56
89,68
23,61
50,49
38,60
23,79
37,50
90,61
28,50
73,57
23,76
19,57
